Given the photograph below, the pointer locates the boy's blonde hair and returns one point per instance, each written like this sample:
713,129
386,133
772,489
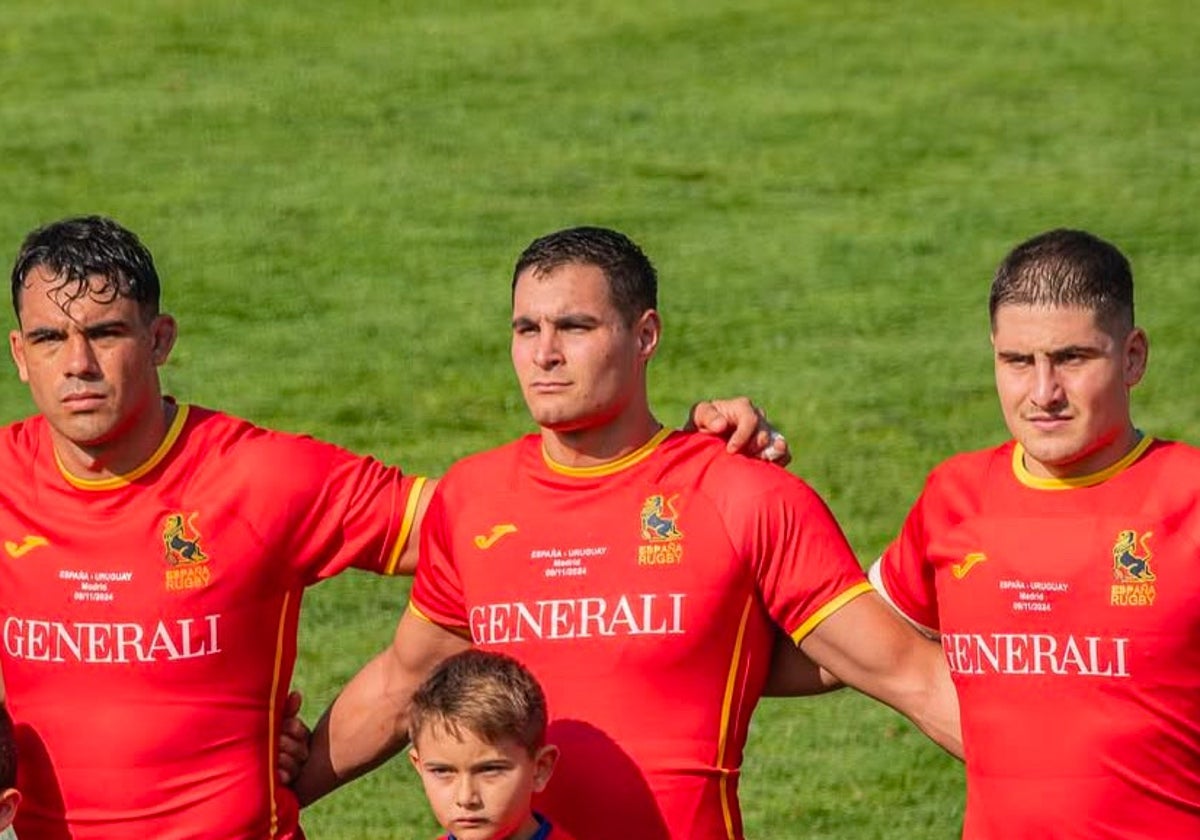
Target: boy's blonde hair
491,695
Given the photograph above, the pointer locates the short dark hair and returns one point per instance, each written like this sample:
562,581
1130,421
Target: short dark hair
8,750
1066,268
632,280
491,695
86,247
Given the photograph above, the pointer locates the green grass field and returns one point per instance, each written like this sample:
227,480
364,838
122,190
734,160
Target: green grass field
335,194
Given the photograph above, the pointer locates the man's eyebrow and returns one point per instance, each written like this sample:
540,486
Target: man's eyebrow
107,326
1077,350
44,332
576,318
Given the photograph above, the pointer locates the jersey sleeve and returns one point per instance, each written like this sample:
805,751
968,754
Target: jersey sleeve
804,567
339,509
437,592
903,574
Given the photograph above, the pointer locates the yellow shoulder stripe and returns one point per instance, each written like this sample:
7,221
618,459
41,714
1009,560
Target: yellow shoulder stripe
831,606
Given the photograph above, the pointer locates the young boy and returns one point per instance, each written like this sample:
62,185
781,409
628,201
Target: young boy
9,797
478,731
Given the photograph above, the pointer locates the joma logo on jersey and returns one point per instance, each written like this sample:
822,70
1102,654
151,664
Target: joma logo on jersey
486,541
25,546
970,561
1134,585
661,533
187,562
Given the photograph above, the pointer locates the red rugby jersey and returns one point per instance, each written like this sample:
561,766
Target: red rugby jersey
643,594
1069,612
149,621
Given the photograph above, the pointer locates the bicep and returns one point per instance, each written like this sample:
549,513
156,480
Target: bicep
418,646
868,646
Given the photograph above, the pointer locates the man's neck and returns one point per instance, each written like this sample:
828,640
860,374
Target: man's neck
1102,459
130,449
595,446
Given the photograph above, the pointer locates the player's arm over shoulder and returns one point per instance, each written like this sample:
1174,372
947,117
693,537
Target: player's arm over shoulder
368,722
866,645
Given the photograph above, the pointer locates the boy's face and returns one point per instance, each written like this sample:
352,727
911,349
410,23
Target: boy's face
480,791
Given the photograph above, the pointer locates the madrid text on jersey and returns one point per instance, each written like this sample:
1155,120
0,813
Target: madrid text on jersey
1036,653
111,642
651,614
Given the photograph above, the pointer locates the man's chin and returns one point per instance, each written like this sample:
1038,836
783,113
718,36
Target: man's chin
553,422
1052,461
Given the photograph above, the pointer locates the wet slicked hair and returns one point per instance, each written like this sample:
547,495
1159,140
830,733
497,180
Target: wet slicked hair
8,751
632,279
91,256
490,695
1067,268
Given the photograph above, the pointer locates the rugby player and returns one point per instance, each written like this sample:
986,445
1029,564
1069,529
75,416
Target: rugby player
1059,570
640,573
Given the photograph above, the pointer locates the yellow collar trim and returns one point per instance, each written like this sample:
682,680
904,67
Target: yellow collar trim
128,478
624,462
1037,482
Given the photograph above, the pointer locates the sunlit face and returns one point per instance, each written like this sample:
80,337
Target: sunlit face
91,367
477,790
579,363
1063,381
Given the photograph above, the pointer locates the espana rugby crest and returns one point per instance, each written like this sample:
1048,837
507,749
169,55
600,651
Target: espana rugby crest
187,564
660,531
1134,586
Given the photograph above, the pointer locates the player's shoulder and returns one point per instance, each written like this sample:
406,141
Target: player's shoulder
259,455
702,461
237,436
491,464
19,441
975,467
709,454
1166,470
963,482
1172,454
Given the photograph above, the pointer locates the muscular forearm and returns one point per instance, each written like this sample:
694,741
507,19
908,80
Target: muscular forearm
368,722
924,693
365,726
868,647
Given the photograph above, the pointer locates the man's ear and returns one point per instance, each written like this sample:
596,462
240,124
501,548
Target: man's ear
163,331
1137,355
9,800
648,329
16,346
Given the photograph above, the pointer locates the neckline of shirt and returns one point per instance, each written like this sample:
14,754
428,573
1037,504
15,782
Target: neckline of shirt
1037,482
133,475
609,467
